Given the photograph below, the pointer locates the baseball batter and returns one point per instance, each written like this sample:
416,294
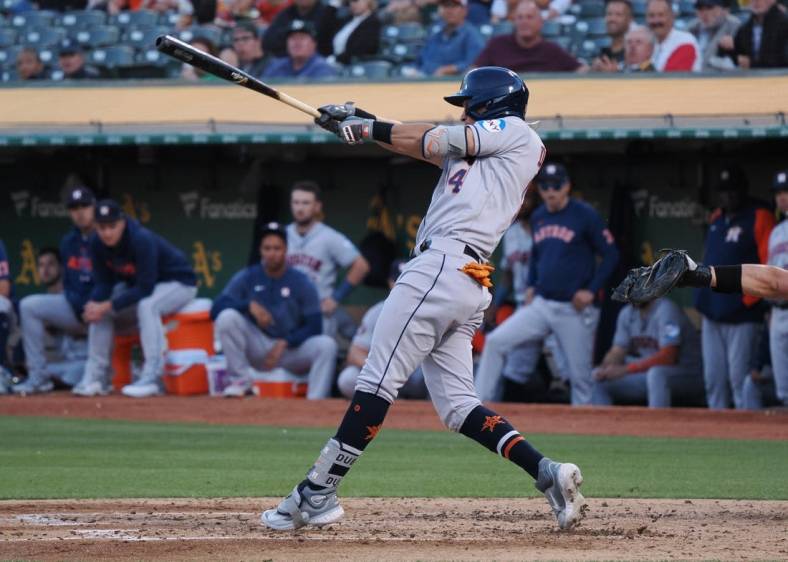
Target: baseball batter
319,251
778,256
439,299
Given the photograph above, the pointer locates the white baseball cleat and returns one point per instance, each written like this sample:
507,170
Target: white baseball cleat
143,388
90,388
560,483
304,507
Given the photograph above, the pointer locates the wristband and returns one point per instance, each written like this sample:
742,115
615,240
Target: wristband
382,131
358,112
342,291
728,278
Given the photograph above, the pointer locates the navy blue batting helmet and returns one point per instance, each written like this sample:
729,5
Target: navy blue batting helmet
491,92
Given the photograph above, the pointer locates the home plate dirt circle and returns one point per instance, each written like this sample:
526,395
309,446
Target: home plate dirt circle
394,529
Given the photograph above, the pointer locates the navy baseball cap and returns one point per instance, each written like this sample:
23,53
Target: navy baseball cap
108,210
80,197
780,181
69,47
302,26
273,228
552,176
732,179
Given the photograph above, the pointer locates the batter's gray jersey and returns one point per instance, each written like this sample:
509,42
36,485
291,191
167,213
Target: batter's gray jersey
778,329
319,254
665,324
477,198
517,245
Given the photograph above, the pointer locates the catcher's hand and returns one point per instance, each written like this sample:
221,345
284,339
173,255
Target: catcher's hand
332,115
673,269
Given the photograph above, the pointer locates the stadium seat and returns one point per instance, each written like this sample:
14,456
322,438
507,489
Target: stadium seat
639,8
102,36
113,57
143,38
404,33
592,9
83,19
37,18
564,41
579,32
687,8
47,56
8,56
41,38
551,29
374,70
597,27
170,19
587,50
7,37
161,63
140,18
502,28
402,52
486,30
8,75
212,34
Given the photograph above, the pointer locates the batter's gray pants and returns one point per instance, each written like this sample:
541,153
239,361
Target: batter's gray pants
778,344
414,387
656,387
429,319
727,355
574,331
244,345
166,298
37,313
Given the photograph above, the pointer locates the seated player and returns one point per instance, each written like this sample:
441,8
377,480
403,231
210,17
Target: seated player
655,356
269,316
60,308
359,350
139,277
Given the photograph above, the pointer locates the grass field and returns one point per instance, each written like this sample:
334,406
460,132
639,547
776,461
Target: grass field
67,458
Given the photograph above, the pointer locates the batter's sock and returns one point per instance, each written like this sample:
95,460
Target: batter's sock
498,435
361,424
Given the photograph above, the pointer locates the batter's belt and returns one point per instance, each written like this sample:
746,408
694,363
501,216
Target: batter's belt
476,269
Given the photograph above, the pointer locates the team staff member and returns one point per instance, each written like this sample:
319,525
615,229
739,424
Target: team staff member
268,316
319,251
438,302
60,311
139,277
655,356
565,231
739,233
359,350
7,314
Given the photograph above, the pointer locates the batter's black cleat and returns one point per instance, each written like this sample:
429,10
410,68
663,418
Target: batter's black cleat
304,506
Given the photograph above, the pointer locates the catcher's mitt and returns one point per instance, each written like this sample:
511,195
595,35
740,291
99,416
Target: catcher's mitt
674,268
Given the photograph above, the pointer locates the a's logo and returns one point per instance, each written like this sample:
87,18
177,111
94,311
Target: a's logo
490,422
733,234
372,432
206,263
189,201
494,125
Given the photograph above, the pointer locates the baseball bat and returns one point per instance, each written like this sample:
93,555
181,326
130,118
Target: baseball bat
184,52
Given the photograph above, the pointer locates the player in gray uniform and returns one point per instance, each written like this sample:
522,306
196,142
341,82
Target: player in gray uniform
319,251
655,356
359,350
439,299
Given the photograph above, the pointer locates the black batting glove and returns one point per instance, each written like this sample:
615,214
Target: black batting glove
333,114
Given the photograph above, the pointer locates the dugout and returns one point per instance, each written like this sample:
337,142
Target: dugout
201,164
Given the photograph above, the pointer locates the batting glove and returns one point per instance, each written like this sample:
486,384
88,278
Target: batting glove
332,115
354,130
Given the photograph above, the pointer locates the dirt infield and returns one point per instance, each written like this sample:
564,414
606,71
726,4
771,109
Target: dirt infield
415,414
394,529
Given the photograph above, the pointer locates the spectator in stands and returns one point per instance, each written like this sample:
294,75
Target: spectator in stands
29,65
359,350
739,233
249,49
762,42
618,20
231,12
189,72
139,277
714,29
321,16
655,357
675,50
50,325
269,9
358,35
302,60
268,316
526,50
452,48
72,62
398,12
638,50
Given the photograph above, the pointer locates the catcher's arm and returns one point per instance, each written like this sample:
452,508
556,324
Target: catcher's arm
765,281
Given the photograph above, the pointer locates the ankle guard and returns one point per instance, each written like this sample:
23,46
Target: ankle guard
333,463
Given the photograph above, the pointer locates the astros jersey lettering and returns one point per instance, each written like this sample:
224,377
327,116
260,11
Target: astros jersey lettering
319,254
476,199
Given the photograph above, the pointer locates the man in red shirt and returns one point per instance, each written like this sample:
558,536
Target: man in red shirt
675,50
526,50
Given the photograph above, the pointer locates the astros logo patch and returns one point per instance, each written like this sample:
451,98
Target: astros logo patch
494,125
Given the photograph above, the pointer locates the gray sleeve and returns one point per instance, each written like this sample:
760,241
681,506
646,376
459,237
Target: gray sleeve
622,336
341,249
494,136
